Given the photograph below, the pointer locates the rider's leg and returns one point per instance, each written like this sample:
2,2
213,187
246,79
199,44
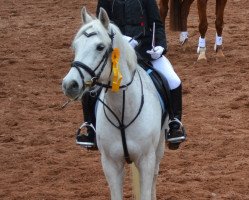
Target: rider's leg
88,139
176,133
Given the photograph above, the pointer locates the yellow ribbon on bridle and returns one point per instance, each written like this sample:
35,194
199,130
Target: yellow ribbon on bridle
117,76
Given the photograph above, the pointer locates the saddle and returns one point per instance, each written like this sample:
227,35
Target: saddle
161,85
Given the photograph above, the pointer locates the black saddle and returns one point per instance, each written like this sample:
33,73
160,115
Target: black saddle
161,85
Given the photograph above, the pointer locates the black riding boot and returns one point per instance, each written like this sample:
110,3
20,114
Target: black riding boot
176,133
88,140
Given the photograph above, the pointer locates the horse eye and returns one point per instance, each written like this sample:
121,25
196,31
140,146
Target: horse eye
100,47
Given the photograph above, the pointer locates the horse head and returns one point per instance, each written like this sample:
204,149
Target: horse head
93,46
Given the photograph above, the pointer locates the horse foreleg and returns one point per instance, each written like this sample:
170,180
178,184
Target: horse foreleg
159,156
185,8
163,8
202,12
146,168
220,7
114,173
203,25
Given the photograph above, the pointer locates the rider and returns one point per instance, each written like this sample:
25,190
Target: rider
136,17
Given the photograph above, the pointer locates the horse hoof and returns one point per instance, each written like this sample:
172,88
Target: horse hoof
202,54
219,54
220,57
202,57
185,45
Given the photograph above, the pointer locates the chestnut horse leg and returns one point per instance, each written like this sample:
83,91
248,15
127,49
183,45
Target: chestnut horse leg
203,25
220,7
185,8
163,8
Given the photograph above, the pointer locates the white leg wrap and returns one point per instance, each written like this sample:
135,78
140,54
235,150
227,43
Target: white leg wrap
201,44
183,36
218,40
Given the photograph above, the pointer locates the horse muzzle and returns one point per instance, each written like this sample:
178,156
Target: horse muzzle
72,89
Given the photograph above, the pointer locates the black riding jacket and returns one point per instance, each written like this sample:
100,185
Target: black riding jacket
135,18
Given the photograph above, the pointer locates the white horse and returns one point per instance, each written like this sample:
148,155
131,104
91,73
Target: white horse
134,109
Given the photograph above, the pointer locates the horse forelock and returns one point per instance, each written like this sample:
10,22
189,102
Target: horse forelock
92,28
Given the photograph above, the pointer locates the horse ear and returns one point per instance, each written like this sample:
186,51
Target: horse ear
103,17
85,16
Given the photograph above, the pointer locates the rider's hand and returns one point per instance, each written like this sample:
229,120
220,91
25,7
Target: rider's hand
156,52
131,41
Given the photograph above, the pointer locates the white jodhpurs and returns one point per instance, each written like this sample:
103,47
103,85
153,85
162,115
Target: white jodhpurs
163,65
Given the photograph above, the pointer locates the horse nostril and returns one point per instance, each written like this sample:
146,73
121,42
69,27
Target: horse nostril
74,85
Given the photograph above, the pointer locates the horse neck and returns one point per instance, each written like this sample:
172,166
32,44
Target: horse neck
128,66
132,99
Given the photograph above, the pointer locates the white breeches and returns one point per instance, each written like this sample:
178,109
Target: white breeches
163,65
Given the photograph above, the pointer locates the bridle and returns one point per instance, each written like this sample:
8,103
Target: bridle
95,76
94,80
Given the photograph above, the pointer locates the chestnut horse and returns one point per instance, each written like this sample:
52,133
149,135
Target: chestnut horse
179,10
